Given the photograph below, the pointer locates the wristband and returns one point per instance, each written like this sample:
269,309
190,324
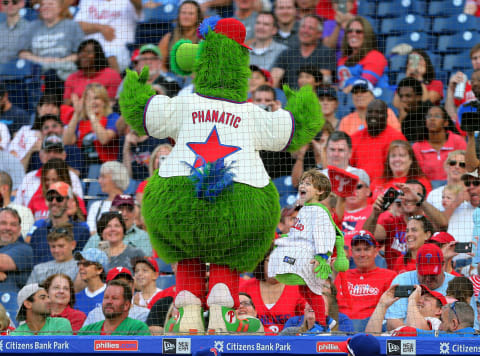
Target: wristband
322,255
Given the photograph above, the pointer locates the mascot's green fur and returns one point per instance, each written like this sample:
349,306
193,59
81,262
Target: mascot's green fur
237,228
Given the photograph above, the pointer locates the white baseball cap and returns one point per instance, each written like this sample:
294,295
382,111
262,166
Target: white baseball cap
26,292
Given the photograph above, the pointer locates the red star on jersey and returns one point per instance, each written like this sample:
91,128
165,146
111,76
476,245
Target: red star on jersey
211,150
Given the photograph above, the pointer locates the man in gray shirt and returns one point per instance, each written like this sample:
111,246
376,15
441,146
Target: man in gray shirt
13,30
61,243
264,49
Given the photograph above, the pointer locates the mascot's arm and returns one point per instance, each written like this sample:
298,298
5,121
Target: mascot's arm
134,97
307,113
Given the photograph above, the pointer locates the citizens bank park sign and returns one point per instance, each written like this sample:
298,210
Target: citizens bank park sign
217,345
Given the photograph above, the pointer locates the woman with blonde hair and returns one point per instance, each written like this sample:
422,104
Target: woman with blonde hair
158,156
92,126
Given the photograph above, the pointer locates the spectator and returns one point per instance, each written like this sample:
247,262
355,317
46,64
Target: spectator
286,300
11,165
472,156
360,58
136,312
92,127
309,52
245,12
146,274
362,96
92,265
159,155
116,306
61,243
472,8
451,103
113,181
375,139
35,312
6,200
429,272
447,243
74,210
309,76
432,152
113,27
11,115
412,110
57,201
288,215
335,27
266,97
15,255
329,100
286,15
188,19
418,231
265,50
354,210
92,67
389,225
305,8
55,170
159,315
360,289
259,78
62,299
12,30
52,42
454,167
6,324
461,288
246,306
399,167
111,228
458,319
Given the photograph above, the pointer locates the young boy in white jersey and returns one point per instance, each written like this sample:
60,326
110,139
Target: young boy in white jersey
146,274
302,258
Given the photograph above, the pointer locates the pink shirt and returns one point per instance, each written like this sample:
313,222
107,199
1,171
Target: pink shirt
431,161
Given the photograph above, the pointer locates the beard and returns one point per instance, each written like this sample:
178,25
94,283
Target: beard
111,314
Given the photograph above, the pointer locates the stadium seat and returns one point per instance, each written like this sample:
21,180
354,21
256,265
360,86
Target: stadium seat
284,185
28,13
454,24
375,22
9,301
405,24
446,8
151,32
367,8
94,171
132,187
164,267
94,190
458,42
454,62
166,11
23,82
384,94
165,281
415,39
397,63
418,7
390,9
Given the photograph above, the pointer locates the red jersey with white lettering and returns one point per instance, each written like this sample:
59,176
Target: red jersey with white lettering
273,319
358,293
209,129
353,222
395,242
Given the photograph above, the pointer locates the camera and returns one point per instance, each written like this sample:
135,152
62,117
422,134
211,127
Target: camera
463,247
404,291
469,116
389,197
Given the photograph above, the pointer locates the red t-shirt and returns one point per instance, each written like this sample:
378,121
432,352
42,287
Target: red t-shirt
76,82
399,265
108,152
431,161
289,304
369,153
436,86
395,243
353,222
379,186
76,317
467,96
358,293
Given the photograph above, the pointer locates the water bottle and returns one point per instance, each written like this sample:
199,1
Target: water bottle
460,88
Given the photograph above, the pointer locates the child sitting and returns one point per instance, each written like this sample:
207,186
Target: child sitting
146,274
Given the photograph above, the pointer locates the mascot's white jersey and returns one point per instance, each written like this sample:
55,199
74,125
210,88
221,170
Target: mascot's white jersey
208,129
313,233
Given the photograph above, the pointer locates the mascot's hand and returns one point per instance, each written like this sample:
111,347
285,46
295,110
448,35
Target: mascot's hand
341,263
323,269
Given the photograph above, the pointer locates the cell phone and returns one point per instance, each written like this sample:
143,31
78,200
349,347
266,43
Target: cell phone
342,6
389,197
414,60
404,291
463,247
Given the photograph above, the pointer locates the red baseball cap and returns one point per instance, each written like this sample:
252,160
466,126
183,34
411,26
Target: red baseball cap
429,260
441,237
343,183
150,261
115,272
233,29
405,331
434,294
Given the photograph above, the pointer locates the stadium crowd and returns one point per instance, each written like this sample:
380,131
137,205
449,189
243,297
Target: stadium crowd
75,257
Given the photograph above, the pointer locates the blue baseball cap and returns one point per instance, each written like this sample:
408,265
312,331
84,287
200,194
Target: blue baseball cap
366,236
93,255
361,345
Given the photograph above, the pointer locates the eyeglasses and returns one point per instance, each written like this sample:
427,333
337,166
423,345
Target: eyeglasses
14,2
452,307
246,304
454,163
475,183
58,230
358,32
58,198
438,116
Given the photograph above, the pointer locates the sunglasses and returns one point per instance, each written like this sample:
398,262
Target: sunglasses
452,307
58,198
58,230
416,217
14,2
454,163
475,183
360,186
358,32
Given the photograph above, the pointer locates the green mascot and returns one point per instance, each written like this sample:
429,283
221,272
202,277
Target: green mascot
212,201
